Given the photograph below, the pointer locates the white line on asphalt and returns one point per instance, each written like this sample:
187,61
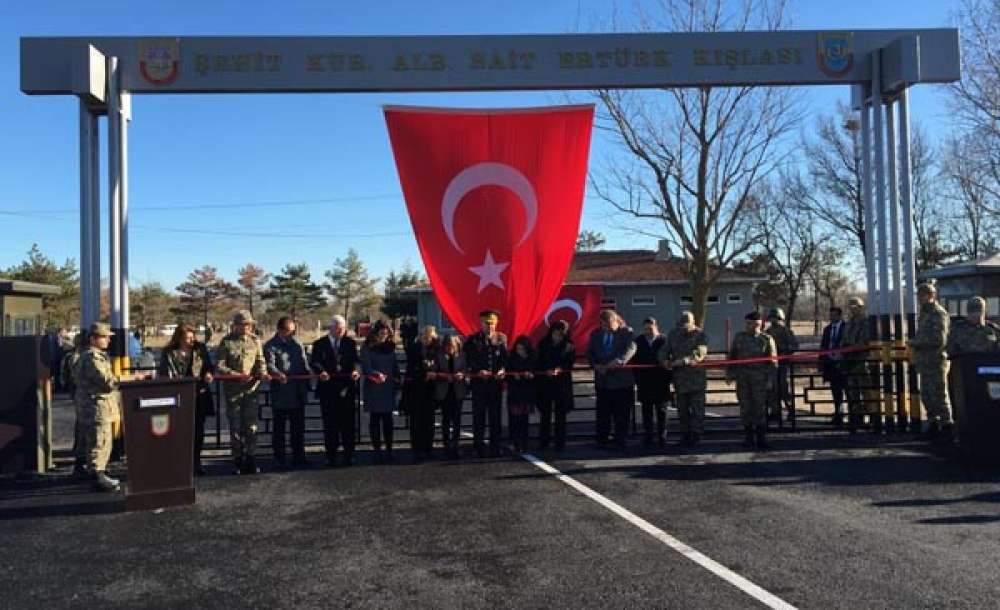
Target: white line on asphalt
765,597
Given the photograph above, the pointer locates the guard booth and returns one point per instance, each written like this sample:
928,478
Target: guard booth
975,390
159,441
25,407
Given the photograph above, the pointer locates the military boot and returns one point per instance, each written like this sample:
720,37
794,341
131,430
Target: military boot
933,431
947,434
102,482
748,439
249,466
79,472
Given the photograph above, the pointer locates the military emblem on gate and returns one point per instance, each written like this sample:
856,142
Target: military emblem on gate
835,53
160,60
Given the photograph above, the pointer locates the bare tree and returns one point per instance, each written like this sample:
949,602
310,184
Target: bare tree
974,224
693,156
827,279
976,98
788,236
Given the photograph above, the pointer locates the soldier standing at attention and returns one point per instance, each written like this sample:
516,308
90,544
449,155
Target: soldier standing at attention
98,393
973,335
930,359
753,381
71,377
240,353
855,334
687,345
787,343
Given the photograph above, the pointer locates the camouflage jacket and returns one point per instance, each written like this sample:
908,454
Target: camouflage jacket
932,335
690,345
71,369
240,355
747,345
966,338
784,339
855,334
97,385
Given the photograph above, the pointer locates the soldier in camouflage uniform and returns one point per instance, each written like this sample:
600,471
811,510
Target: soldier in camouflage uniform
854,365
928,356
685,346
787,343
240,353
974,334
98,392
71,377
753,381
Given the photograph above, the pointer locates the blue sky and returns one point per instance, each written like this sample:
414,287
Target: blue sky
188,153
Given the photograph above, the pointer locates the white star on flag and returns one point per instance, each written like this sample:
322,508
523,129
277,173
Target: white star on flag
489,272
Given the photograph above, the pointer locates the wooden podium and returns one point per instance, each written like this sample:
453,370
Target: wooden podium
159,442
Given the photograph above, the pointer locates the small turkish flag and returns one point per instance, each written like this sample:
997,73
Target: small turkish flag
580,307
494,198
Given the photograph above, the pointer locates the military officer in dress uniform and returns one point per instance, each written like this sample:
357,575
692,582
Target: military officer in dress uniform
928,356
787,343
753,380
98,392
240,353
486,359
686,346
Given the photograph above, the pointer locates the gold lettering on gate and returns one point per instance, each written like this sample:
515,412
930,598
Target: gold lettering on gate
205,63
619,58
741,58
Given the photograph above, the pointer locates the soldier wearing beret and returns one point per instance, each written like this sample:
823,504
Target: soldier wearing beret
753,380
241,354
486,360
99,400
928,356
786,342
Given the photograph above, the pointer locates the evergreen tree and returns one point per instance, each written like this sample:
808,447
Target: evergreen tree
150,306
293,291
350,285
202,294
252,283
589,241
397,304
62,309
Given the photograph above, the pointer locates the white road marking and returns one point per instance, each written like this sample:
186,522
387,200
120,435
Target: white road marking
765,597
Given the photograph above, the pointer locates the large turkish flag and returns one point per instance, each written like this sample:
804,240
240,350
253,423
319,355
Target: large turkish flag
494,198
580,307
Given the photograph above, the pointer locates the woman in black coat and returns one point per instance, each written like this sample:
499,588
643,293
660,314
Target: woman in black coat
521,395
556,355
185,357
421,356
653,382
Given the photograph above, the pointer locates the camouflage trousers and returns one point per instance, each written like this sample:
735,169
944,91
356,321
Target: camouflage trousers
691,411
934,391
752,395
241,411
98,428
779,395
80,455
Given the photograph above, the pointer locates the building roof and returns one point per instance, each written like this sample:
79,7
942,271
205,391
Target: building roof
984,266
634,268
622,267
19,287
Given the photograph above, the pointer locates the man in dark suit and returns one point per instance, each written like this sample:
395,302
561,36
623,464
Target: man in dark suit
609,349
336,355
830,364
486,360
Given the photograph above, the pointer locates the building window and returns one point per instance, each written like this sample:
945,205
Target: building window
686,300
644,300
734,298
993,306
713,299
609,303
445,324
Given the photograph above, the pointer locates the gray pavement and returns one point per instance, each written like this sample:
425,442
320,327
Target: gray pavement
822,521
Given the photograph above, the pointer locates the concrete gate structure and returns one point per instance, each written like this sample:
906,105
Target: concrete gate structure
878,65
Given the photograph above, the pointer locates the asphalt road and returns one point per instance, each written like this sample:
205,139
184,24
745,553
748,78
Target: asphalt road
822,521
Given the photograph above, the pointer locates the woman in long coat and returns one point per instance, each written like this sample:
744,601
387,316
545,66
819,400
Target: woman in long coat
418,391
556,355
378,386
449,390
185,357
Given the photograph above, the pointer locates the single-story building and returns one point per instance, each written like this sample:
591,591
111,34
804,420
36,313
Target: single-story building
21,307
960,282
639,284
